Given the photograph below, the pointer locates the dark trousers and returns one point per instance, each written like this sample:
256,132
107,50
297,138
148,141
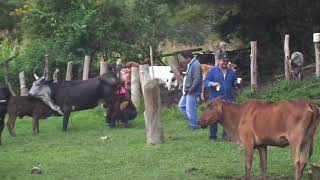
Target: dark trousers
214,130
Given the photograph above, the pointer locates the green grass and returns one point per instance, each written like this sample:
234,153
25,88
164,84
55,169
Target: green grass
80,154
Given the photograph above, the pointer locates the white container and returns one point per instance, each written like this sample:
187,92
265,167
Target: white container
218,88
239,80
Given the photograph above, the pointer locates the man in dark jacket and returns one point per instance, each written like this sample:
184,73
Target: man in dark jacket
192,86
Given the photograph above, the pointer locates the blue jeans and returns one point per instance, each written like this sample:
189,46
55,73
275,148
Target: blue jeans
188,106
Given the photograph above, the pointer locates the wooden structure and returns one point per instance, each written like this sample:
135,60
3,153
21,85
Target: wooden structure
153,116
174,65
144,75
316,40
69,71
103,67
221,47
286,48
86,66
46,66
23,85
55,75
253,66
135,87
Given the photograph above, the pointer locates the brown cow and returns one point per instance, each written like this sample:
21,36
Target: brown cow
257,124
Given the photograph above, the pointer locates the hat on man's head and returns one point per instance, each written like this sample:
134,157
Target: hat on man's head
187,54
223,56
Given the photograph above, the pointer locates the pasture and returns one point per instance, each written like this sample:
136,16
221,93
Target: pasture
80,154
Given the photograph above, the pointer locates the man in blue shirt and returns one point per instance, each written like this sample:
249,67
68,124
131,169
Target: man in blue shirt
220,81
192,87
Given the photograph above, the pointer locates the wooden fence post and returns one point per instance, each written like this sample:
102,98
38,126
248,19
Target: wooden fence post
153,116
23,87
86,66
103,67
253,65
286,47
46,66
144,75
55,75
69,71
316,40
173,63
135,87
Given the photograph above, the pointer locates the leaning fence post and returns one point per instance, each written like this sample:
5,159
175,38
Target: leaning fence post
23,86
103,67
253,66
173,63
316,40
86,66
287,57
69,71
153,116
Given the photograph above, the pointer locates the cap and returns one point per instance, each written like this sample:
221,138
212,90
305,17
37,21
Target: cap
187,54
223,56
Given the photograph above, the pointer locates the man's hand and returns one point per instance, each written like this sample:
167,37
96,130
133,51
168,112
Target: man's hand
215,84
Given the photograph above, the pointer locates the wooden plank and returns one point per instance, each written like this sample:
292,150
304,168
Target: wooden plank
23,85
135,87
316,39
253,66
69,71
287,56
86,67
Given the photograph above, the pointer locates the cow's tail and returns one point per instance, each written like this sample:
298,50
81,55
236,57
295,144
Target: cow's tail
311,130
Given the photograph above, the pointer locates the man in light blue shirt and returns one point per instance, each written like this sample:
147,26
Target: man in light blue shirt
192,87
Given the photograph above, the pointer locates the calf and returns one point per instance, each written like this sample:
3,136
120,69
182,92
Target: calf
20,106
258,124
4,98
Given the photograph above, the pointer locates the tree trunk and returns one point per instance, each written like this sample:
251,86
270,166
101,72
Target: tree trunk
286,47
253,66
135,87
316,40
144,76
46,66
174,65
23,87
103,67
86,66
55,75
69,71
153,116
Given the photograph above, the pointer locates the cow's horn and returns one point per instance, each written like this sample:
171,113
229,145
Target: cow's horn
35,76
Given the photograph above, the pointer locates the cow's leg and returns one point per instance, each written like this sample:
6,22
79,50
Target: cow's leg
2,119
11,125
66,111
249,156
263,160
34,125
37,125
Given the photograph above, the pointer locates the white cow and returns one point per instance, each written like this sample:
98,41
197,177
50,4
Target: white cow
165,76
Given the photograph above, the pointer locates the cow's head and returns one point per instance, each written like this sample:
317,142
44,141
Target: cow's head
40,87
212,114
171,82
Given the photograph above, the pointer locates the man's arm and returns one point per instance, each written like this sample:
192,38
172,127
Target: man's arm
209,81
197,80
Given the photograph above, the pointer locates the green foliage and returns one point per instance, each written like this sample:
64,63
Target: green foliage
285,90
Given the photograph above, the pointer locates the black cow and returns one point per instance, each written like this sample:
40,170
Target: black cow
76,95
4,98
20,106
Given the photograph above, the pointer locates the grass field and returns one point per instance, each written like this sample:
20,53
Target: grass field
80,154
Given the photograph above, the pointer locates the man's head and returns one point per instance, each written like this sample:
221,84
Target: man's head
223,60
187,56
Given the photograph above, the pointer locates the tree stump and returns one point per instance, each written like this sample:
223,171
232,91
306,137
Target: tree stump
152,115
135,87
69,71
316,40
23,86
253,66
86,66
287,57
